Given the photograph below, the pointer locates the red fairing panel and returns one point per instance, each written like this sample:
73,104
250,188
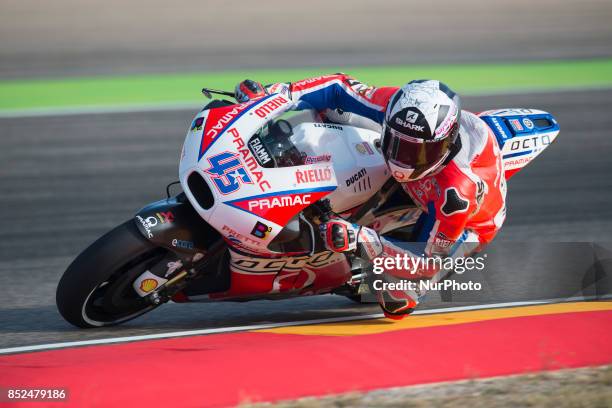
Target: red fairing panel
256,276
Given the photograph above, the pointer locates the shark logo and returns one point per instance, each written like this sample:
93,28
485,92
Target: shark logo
411,116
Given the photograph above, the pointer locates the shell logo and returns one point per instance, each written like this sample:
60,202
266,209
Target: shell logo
148,285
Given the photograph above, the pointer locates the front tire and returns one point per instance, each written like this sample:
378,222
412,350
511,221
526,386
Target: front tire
96,289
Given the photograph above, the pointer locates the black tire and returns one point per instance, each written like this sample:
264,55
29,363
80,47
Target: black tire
96,289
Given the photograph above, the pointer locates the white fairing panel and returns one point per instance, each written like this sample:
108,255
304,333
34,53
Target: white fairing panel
248,202
251,203
359,167
522,134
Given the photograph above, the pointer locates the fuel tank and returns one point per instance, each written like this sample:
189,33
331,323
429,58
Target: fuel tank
359,166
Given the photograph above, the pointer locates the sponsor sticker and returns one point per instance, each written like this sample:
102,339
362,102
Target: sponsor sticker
282,207
262,156
282,201
146,225
147,282
499,128
173,266
512,163
260,230
328,126
356,177
237,238
442,241
147,285
153,220
270,106
364,148
516,124
165,217
304,82
313,175
526,143
197,123
445,126
179,243
317,159
280,88
250,160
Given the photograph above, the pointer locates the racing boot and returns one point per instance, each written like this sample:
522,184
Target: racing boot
395,304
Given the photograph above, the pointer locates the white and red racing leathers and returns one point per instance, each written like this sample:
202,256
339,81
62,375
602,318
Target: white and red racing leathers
462,202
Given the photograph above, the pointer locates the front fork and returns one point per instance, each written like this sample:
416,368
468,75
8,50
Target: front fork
190,269
173,224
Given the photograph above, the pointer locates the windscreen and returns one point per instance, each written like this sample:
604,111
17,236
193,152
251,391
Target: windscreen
272,143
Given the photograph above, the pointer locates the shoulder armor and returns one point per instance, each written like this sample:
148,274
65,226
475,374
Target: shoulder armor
453,202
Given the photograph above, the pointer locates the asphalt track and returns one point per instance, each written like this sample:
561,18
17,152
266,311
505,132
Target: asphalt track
114,37
68,179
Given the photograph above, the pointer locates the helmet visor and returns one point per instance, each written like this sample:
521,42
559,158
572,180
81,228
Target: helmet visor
412,153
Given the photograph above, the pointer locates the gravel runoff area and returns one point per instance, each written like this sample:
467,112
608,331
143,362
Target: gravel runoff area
584,387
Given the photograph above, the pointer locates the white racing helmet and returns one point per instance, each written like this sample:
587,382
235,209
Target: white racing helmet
420,129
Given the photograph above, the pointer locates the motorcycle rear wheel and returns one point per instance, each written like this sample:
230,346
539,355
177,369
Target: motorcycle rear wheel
96,289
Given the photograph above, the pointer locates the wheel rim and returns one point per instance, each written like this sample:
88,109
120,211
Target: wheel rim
114,300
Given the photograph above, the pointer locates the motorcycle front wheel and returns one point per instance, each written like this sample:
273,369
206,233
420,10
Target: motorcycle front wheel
96,289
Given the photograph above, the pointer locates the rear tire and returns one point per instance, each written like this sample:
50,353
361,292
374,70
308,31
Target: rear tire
96,289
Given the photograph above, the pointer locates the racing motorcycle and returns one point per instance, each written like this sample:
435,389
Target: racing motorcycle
259,177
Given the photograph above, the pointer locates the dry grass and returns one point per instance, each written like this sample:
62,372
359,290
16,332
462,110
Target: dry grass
578,388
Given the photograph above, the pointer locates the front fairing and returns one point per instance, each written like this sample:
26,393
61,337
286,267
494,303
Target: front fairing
247,201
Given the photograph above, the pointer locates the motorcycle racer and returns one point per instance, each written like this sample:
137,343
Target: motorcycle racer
445,158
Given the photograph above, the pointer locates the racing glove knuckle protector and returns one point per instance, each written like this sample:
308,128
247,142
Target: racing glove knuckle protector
342,236
339,235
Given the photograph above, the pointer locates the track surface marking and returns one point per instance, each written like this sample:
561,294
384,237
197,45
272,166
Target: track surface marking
227,369
439,319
